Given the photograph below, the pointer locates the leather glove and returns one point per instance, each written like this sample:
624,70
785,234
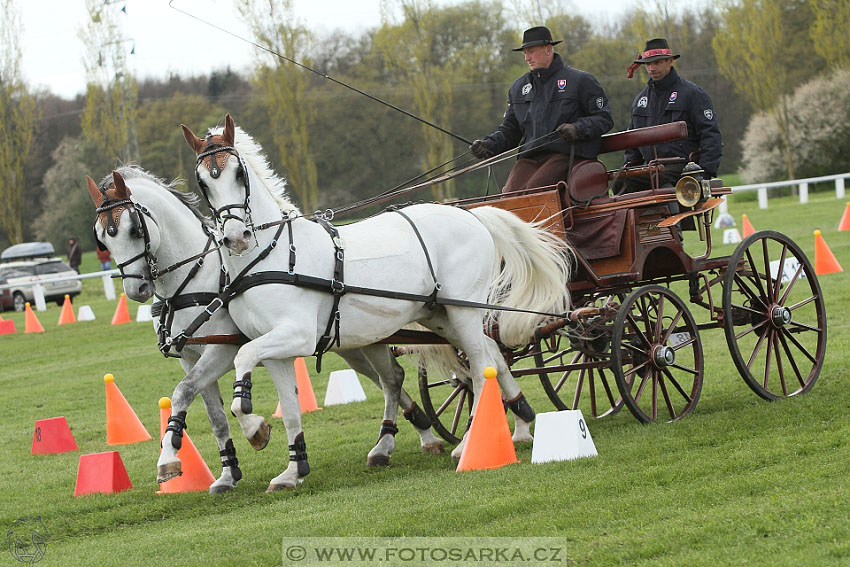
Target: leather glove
479,150
567,131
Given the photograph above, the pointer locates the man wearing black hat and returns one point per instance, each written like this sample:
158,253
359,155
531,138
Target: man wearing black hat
669,98
556,115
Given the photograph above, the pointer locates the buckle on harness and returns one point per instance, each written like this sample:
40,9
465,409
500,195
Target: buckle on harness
337,287
216,308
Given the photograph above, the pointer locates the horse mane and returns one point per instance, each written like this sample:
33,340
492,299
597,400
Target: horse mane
190,200
253,155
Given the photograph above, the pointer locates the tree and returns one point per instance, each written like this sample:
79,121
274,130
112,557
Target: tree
17,126
758,48
109,118
829,31
284,89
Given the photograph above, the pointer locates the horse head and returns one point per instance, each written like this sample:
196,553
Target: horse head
224,183
121,228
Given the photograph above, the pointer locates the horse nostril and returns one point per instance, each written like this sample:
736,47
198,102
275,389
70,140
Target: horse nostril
246,234
226,241
144,288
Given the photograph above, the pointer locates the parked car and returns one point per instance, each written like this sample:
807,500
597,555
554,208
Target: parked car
22,263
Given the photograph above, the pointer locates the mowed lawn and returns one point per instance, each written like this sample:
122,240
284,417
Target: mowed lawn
740,482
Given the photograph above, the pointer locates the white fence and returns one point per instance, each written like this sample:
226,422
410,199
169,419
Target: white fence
802,187
37,283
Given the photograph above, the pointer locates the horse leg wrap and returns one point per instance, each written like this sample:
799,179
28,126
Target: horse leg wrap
300,455
228,459
417,417
387,428
176,424
521,408
245,393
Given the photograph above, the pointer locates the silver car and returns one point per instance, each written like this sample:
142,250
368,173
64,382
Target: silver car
22,263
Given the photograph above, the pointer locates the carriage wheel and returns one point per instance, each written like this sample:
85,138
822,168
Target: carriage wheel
448,402
656,355
586,375
775,327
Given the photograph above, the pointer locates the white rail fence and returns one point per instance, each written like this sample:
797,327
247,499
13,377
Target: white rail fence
801,184
38,283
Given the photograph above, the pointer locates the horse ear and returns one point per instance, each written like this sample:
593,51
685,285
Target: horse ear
194,142
229,130
121,189
95,193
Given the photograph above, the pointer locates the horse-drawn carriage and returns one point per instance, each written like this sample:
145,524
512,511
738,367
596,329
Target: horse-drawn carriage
631,338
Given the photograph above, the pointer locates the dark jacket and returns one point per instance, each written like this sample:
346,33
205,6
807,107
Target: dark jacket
542,100
669,100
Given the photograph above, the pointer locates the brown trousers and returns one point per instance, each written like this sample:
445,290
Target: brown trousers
538,172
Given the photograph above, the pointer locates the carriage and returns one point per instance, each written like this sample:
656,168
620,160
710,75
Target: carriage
631,338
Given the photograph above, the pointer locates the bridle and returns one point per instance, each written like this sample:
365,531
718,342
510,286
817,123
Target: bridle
215,166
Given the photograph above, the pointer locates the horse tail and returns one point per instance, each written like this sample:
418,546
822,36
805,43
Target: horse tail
531,271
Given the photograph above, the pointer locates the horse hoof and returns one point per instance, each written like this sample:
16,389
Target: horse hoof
277,487
261,438
221,488
526,438
378,461
435,448
168,471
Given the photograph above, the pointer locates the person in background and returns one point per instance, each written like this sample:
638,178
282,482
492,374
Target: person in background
75,254
556,116
669,98
105,259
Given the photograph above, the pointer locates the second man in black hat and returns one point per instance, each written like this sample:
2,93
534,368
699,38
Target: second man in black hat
551,109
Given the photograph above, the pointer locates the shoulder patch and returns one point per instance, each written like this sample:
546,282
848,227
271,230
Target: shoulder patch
600,102
526,88
642,102
708,113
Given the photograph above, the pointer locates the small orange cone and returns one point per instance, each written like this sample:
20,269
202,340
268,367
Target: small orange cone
195,475
122,424
122,314
7,327
101,472
31,322
845,219
306,396
67,315
825,262
746,227
488,444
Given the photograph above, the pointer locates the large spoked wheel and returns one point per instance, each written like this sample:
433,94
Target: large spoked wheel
448,402
656,355
582,374
774,316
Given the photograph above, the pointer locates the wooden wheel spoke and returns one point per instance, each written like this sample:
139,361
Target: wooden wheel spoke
592,390
757,348
751,329
799,346
684,368
791,360
440,383
686,343
765,254
672,380
775,291
667,400
607,387
803,302
458,390
659,319
642,385
638,332
791,284
745,289
749,309
579,386
458,412
757,279
672,327
643,308
771,336
779,368
798,327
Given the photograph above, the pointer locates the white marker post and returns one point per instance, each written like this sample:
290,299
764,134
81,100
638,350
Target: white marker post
561,436
344,388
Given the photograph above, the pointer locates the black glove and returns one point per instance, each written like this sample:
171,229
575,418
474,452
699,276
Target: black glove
567,131
479,150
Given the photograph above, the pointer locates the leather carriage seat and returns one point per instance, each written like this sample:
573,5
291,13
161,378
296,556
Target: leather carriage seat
588,179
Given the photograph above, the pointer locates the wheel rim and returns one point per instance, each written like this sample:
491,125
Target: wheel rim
584,379
775,326
656,355
448,402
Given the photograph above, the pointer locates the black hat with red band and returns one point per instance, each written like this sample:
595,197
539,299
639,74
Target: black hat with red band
655,49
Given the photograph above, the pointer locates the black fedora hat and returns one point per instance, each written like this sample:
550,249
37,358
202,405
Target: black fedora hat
536,36
655,49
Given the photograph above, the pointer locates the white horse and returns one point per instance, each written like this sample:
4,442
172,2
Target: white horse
171,241
429,251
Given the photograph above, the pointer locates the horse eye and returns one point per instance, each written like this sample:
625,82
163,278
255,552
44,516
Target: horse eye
240,174
202,185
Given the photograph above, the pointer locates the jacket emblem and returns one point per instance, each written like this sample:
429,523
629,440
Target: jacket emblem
526,88
708,113
642,102
673,96
562,84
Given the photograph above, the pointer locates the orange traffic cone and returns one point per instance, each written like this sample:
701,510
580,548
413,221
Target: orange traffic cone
825,262
31,322
306,396
488,444
122,424
52,435
7,327
746,227
195,475
122,314
845,219
67,315
101,472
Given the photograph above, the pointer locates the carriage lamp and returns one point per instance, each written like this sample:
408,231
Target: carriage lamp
691,187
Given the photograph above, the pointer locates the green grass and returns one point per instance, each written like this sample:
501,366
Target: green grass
739,482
